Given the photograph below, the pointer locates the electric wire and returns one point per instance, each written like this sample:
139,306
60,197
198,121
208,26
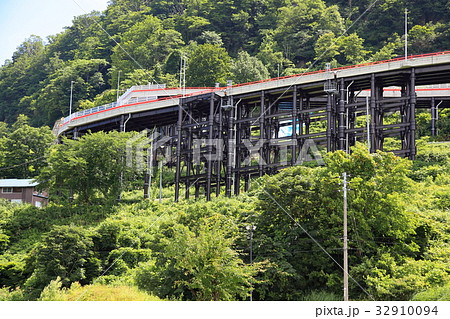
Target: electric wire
131,57
315,61
25,163
313,239
132,244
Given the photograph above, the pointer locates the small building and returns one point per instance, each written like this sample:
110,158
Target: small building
22,191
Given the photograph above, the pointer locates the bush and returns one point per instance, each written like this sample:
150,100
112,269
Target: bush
95,292
125,258
14,295
198,264
434,294
11,270
65,252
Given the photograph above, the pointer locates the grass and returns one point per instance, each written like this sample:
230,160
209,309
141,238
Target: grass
95,292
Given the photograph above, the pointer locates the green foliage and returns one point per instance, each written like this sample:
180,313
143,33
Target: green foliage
194,255
66,251
12,270
213,270
15,295
95,292
247,69
208,64
23,149
52,101
391,280
146,44
321,296
300,24
88,166
311,202
434,294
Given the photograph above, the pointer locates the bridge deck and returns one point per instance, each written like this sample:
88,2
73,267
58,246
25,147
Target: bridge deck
392,70
220,137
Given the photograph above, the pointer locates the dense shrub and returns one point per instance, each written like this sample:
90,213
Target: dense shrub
65,252
96,292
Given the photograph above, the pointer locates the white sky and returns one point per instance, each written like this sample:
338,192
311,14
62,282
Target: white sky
21,18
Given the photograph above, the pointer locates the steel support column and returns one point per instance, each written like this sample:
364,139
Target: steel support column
229,157
433,117
341,127
262,135
178,153
329,132
373,105
294,125
412,115
210,139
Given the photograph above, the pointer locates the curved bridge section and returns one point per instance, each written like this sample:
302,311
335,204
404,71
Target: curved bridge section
219,138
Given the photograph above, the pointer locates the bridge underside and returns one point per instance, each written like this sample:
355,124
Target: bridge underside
219,142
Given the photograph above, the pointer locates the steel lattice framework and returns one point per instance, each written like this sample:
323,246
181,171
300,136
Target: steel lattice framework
219,140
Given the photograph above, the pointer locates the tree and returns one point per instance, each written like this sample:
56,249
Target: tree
421,39
210,37
300,24
89,166
352,49
247,69
207,65
23,149
28,49
52,101
312,202
198,263
65,252
344,50
148,43
326,48
21,78
272,59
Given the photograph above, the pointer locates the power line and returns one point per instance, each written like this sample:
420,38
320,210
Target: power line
313,239
132,58
25,163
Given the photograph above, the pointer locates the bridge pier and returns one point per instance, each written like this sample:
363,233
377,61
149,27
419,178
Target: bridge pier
294,122
273,120
178,151
341,125
434,117
412,115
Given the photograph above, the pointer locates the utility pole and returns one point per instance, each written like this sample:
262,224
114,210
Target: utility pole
71,96
251,228
160,180
150,173
118,86
344,175
406,34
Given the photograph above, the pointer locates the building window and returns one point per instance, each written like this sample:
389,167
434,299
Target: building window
7,190
16,201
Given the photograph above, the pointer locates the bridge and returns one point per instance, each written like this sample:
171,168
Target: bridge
220,137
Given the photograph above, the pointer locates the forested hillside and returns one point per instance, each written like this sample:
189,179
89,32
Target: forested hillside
243,40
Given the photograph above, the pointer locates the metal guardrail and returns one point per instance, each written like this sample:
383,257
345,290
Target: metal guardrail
345,68
102,108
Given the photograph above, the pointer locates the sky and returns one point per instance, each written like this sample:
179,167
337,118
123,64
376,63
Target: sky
21,18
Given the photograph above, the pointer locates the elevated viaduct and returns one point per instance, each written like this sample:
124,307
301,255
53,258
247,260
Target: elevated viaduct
218,138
